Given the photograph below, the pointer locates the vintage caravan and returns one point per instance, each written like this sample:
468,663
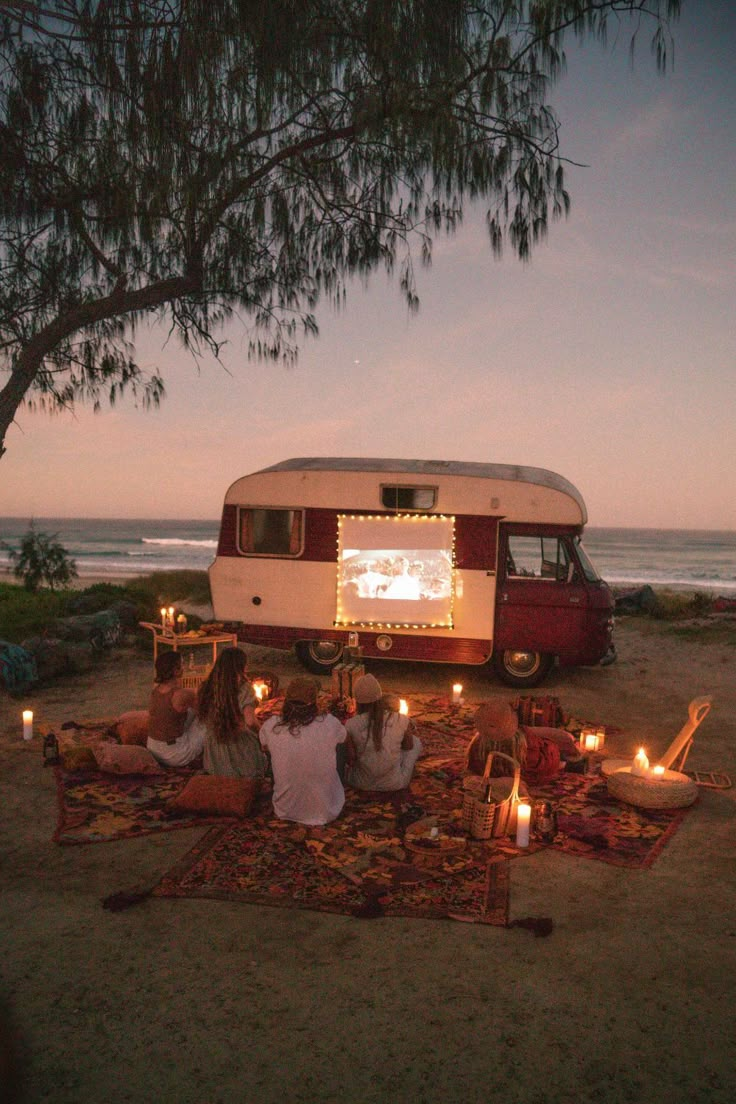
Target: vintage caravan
442,561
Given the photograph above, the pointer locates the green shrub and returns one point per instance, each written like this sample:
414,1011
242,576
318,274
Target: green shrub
40,559
676,605
24,613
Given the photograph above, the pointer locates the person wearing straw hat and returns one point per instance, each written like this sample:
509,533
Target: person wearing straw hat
382,745
302,744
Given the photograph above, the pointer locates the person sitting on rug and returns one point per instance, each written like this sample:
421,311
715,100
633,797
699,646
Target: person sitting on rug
540,752
302,744
382,745
170,715
226,722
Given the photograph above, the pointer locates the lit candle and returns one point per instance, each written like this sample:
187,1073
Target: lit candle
163,617
641,763
171,616
591,741
403,706
523,821
658,771
601,738
27,724
259,689
457,690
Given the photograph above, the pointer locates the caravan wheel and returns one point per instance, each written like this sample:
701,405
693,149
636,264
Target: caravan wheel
319,656
521,669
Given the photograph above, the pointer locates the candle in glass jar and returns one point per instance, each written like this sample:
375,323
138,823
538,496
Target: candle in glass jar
403,706
457,690
591,741
27,724
523,822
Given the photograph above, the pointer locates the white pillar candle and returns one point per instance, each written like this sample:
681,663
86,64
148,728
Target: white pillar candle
640,765
523,821
27,724
404,707
163,617
171,617
457,690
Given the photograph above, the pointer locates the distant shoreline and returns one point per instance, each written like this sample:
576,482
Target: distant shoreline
84,580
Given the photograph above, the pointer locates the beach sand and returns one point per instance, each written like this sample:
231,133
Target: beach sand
195,1002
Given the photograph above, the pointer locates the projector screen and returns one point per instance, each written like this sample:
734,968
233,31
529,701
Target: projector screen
395,570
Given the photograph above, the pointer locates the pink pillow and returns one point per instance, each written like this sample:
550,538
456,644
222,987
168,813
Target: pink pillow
132,727
217,796
126,759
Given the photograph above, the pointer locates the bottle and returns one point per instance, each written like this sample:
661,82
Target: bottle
488,794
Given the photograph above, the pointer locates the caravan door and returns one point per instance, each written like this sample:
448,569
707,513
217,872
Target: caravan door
542,603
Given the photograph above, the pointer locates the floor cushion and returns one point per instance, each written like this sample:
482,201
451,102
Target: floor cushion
132,727
216,796
126,759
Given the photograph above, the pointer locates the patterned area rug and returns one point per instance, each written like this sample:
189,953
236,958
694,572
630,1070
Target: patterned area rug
361,864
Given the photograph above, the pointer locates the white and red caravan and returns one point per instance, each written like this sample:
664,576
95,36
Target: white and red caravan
442,561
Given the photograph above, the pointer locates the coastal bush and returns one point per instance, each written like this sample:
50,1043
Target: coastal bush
676,605
40,559
24,613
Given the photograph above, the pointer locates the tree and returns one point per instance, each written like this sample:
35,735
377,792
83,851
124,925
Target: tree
41,557
192,161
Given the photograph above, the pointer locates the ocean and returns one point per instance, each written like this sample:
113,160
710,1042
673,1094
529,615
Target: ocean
697,559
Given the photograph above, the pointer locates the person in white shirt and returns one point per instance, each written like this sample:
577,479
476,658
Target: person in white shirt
382,745
302,744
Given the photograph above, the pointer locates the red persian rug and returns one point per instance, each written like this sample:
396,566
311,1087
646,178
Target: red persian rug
361,864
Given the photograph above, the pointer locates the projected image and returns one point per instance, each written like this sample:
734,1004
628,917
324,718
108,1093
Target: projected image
397,582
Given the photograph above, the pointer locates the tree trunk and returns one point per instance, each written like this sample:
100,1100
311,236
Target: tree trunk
31,357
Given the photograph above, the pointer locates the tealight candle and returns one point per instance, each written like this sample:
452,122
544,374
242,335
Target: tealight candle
457,690
27,724
523,822
404,706
640,765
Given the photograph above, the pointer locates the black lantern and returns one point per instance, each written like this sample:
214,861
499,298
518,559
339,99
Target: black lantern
50,750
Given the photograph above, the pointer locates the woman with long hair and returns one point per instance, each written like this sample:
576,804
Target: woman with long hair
302,744
226,719
382,745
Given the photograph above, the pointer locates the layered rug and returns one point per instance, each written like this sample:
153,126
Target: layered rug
363,863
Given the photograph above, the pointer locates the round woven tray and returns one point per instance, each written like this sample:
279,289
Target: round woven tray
672,791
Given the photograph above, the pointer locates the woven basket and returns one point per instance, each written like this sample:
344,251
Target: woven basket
482,820
672,791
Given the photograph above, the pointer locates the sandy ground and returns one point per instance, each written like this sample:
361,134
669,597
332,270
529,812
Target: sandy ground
196,1002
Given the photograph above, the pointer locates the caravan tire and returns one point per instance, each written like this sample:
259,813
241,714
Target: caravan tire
319,656
521,669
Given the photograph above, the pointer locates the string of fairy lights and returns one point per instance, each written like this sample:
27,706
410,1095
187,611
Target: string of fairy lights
400,545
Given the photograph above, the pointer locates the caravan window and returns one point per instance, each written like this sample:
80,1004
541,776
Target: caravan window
266,532
538,558
408,498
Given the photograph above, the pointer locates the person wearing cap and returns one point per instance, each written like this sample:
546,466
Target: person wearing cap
382,746
302,744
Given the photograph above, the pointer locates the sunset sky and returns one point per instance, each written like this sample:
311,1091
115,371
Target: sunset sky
609,358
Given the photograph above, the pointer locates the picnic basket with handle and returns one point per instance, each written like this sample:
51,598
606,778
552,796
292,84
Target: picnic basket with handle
484,820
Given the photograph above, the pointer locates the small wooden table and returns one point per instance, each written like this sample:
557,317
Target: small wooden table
194,674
